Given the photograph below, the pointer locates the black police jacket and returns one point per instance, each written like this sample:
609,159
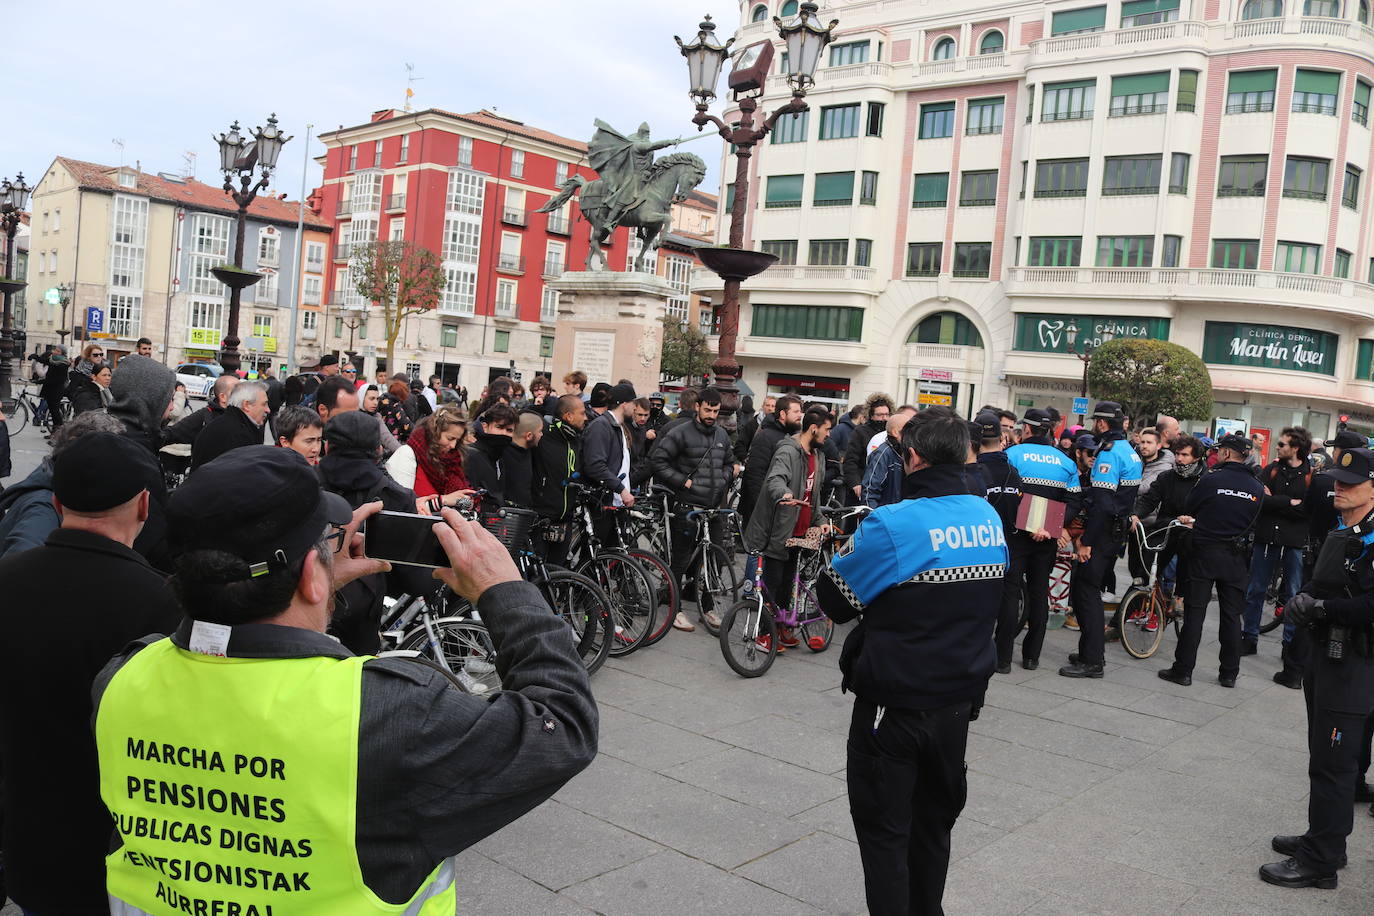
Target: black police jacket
1280,521
1004,487
1319,505
1224,504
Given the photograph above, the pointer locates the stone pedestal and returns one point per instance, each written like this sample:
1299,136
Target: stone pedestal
610,325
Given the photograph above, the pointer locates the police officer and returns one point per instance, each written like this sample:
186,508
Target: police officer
1045,471
1004,493
917,678
1338,606
1115,479
1222,510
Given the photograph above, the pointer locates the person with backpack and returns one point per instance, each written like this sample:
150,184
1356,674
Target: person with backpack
1280,533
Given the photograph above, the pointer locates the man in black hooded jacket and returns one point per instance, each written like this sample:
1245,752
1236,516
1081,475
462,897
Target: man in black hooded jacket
485,465
773,428
879,410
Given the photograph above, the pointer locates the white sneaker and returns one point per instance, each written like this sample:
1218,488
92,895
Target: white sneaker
680,622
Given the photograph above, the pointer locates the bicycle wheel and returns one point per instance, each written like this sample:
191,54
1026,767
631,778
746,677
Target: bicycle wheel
633,601
749,637
1272,618
467,648
717,584
816,629
665,590
1023,614
1141,629
585,608
16,415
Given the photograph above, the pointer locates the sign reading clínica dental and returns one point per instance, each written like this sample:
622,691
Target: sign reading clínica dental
1269,346
1043,333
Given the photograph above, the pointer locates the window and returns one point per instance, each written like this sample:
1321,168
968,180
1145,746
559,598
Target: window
1359,111
788,9
1124,175
944,49
972,259
868,189
729,197
127,248
1178,173
1250,90
1187,91
1242,176
548,305
269,249
1235,254
1305,179
262,325
1140,94
1147,12
465,192
785,249
1072,22
825,252
1061,178
1262,9
937,120
1173,246
1298,258
367,192
978,189
1055,251
266,288
405,149
501,343
461,239
1350,191
560,174
854,52
984,116
377,154
791,128
923,259
125,315
1125,251
514,210
1331,9
353,158
1069,101
1030,102
759,14
948,328
808,322
1315,91
314,256
784,192
510,258
506,291
555,256
863,252
874,126
57,215
465,152
930,190
991,43
396,231
840,121
1363,14
208,318
1341,268
517,163
834,189
310,321
460,290
311,289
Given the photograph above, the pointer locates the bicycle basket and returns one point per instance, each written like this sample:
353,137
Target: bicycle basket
511,526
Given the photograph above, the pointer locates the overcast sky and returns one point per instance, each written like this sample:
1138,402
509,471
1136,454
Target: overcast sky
162,76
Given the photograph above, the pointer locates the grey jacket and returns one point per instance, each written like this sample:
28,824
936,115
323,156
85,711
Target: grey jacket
771,524
439,769
1151,470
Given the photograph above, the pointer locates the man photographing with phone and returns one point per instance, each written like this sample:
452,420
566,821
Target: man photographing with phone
341,783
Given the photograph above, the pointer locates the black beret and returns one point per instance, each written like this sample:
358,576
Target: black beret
99,471
329,359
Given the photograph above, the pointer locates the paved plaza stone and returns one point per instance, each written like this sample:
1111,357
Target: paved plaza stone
716,794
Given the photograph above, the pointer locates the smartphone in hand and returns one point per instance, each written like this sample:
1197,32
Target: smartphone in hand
404,538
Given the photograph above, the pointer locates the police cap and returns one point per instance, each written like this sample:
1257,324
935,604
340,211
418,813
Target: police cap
1348,438
1086,441
1356,465
1236,443
1041,419
987,425
1108,410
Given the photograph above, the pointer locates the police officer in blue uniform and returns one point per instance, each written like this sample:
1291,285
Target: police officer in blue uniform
1048,472
925,576
1222,508
1338,685
1115,480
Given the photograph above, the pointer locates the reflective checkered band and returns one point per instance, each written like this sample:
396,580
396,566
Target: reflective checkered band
1045,482
961,573
1108,485
844,588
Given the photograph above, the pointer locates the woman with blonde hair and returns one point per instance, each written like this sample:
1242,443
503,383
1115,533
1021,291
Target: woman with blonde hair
431,461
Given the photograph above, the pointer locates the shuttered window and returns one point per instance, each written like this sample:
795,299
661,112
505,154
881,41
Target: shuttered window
1315,91
1070,22
1140,94
808,322
931,190
834,189
1250,91
784,191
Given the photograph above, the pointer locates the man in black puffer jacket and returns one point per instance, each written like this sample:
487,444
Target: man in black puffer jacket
773,428
879,410
1280,532
486,460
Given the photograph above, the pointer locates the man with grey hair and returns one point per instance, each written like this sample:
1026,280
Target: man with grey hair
243,422
186,431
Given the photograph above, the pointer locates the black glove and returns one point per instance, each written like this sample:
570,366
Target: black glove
1302,609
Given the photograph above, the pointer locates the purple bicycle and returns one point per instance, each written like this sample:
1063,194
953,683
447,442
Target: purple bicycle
750,629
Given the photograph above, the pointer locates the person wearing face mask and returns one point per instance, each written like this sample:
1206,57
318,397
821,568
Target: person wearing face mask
882,481
1166,500
784,420
879,411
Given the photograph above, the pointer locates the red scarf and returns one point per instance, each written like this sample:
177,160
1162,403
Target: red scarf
447,476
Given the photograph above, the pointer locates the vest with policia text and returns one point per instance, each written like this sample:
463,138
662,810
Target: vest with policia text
233,785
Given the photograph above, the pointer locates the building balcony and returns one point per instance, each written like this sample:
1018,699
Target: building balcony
559,225
703,280
307,334
510,263
396,203
1192,284
315,266
272,260
311,297
344,208
513,216
342,250
848,76
554,267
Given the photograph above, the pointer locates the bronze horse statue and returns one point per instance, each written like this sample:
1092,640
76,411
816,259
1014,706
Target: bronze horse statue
665,183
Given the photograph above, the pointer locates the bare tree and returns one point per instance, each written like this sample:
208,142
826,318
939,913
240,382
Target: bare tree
400,278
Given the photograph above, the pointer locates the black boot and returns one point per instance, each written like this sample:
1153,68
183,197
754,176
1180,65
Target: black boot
1176,677
1292,873
1288,846
1080,669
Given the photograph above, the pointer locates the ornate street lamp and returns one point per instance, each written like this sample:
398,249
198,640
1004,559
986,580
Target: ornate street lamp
14,199
238,157
805,38
1086,355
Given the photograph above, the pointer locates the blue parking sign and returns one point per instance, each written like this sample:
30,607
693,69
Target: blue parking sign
95,319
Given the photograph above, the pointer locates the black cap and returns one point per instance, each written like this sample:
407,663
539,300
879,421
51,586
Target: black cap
1348,438
329,359
657,396
1356,465
1108,410
353,430
1086,441
99,471
1038,418
600,395
987,425
620,394
1236,443
260,503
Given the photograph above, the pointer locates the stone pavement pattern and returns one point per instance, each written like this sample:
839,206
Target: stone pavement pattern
716,794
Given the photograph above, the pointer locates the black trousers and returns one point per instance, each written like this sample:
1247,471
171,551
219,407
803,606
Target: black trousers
777,578
907,785
1028,566
1223,567
683,532
1087,602
1339,703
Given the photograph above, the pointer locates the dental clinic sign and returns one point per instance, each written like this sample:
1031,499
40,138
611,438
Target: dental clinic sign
1041,333
1269,346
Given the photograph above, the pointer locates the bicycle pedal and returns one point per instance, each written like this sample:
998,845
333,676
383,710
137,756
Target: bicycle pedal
393,635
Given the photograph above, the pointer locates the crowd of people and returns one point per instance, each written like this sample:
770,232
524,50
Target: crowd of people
233,527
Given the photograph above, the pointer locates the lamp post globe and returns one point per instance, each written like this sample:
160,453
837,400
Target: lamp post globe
705,58
805,38
14,197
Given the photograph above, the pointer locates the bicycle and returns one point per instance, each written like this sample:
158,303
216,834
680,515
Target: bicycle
714,579
430,628
633,596
1273,595
26,406
1146,612
660,574
749,635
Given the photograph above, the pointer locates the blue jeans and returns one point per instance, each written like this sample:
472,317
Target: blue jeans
1168,575
1262,564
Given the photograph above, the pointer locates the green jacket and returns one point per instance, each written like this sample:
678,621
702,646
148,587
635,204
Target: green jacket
771,525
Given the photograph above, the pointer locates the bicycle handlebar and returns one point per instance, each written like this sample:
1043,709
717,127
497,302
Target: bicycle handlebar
710,513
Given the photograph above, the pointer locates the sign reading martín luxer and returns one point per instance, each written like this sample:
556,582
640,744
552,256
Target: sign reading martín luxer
1269,346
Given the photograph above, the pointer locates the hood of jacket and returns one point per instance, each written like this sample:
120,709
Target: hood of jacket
40,478
349,471
142,388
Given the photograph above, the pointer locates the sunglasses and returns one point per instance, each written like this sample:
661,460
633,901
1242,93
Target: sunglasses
97,354
350,372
